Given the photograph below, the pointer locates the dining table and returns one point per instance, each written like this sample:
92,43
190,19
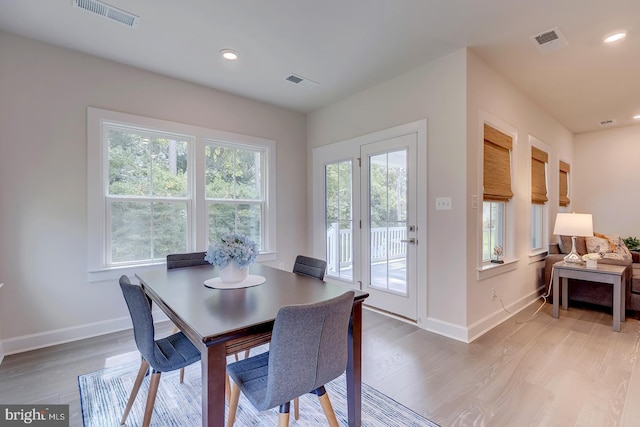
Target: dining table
221,322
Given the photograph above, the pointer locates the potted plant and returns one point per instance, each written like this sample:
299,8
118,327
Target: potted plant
232,255
632,243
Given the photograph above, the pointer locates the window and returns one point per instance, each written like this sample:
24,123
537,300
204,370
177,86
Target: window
492,228
157,187
497,191
147,194
339,219
539,160
565,170
234,190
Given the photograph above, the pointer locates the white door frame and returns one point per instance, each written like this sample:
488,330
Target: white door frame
350,150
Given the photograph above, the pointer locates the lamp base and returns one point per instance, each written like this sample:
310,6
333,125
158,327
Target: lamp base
573,257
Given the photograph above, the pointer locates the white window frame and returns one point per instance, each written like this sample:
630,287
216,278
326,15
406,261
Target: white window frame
537,254
488,269
98,268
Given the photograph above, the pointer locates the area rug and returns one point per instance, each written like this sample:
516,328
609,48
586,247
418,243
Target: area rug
104,393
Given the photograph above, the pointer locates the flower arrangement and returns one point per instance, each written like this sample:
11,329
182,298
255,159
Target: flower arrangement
591,257
236,248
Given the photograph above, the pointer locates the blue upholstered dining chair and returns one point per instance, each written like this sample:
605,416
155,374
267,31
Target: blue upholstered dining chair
309,348
190,259
308,266
163,355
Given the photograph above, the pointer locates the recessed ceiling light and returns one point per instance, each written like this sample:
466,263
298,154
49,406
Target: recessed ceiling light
615,37
229,55
637,117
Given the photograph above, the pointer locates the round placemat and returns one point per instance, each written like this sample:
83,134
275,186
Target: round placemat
251,280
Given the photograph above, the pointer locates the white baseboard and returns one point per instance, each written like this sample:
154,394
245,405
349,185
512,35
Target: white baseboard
484,325
1,353
446,329
65,335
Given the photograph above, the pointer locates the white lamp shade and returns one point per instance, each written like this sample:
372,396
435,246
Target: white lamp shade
573,224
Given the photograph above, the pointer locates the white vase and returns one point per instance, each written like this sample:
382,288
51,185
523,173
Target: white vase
233,274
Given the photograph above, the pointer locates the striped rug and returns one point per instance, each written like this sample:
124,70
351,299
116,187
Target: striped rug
104,394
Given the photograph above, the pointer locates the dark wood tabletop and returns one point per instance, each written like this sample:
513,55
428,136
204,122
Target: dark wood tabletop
212,318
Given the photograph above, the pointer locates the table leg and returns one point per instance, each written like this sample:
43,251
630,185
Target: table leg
617,307
214,371
354,367
565,293
556,291
623,296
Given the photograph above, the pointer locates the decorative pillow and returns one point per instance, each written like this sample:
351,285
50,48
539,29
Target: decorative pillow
565,245
598,245
611,239
616,248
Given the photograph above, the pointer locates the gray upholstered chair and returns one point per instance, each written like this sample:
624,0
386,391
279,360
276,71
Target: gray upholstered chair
163,355
190,259
309,348
186,260
308,266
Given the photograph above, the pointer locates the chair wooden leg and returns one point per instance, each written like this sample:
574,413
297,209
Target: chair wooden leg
296,408
151,398
144,367
227,389
283,416
246,353
233,405
328,410
283,419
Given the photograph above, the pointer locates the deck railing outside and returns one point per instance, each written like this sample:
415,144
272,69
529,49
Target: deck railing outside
386,243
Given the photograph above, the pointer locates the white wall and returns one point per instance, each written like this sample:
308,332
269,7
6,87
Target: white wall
44,95
452,93
489,93
435,91
606,169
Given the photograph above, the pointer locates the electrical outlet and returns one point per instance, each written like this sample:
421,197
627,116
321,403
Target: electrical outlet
493,294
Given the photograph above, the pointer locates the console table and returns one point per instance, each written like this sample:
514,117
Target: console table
614,275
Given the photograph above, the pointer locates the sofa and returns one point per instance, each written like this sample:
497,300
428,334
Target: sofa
611,252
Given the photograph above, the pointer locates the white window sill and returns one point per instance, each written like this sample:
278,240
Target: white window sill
490,270
114,273
537,256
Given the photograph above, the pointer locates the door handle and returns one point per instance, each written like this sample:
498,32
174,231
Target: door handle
411,241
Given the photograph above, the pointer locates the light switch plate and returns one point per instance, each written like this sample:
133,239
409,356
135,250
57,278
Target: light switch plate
443,203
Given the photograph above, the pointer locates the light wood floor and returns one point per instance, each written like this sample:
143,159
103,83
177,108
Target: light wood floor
574,371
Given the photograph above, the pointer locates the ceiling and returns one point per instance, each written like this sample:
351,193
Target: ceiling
349,45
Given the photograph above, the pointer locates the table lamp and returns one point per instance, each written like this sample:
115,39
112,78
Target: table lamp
574,225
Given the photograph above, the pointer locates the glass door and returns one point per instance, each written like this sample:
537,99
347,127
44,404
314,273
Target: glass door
388,224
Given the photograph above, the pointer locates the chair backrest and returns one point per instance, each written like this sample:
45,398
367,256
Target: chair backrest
140,311
308,266
309,347
186,260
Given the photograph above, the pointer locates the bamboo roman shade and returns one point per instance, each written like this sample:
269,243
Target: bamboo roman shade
565,169
539,160
497,165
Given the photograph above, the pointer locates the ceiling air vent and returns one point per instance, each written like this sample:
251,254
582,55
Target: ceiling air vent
549,40
109,12
608,122
301,81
